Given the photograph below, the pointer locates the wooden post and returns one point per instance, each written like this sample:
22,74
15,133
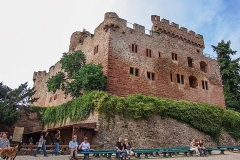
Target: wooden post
73,130
31,149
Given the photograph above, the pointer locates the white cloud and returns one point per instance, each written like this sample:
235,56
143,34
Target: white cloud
34,34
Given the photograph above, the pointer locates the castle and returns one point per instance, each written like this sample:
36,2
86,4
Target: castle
168,62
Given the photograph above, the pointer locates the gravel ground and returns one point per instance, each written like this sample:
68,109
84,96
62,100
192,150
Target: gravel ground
215,156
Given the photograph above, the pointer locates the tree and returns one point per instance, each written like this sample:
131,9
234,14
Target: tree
11,100
230,74
78,77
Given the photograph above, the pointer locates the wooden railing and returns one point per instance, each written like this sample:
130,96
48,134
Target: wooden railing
64,148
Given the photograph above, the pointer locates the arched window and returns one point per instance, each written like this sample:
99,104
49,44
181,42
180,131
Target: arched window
203,66
193,82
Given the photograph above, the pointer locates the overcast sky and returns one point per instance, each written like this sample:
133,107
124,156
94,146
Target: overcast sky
35,33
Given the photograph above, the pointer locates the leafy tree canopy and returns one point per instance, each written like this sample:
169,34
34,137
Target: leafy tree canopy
230,74
11,100
78,77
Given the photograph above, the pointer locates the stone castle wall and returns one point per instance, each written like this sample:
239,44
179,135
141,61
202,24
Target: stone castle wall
153,132
121,58
112,45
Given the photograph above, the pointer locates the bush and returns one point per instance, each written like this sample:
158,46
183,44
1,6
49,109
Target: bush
207,118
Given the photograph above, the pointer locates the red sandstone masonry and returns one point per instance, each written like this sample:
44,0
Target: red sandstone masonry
114,40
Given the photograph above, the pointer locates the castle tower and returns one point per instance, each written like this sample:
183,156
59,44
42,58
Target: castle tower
167,63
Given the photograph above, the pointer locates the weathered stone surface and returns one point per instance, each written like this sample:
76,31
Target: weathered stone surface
114,42
154,132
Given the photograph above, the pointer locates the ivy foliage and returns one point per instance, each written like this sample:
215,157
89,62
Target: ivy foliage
79,77
34,109
207,118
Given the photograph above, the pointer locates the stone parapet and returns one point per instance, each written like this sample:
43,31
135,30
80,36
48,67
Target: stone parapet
173,29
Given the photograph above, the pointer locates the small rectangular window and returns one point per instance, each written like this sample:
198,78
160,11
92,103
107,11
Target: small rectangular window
134,48
159,54
148,75
203,85
95,49
171,77
153,76
131,70
182,79
136,72
148,53
174,56
206,85
190,62
178,78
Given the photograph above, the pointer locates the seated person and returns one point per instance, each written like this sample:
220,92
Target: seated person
193,147
85,147
4,142
120,149
201,148
128,148
73,145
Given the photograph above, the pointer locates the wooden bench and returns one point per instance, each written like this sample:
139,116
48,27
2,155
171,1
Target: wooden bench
105,153
230,148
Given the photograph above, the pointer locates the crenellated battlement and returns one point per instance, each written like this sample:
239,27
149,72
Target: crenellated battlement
39,74
173,29
76,38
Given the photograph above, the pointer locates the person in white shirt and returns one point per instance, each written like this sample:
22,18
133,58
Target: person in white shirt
85,147
73,145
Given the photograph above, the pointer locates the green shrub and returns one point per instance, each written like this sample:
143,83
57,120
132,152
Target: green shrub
207,118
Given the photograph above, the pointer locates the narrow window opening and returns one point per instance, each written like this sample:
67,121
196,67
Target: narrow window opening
182,79
153,76
206,85
178,78
136,72
159,54
148,53
174,56
148,75
190,62
96,49
203,85
131,70
171,77
134,48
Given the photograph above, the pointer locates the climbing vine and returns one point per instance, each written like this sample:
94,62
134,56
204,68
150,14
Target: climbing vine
34,109
207,118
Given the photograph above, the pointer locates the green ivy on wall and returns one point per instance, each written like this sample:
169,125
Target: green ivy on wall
207,118
34,109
